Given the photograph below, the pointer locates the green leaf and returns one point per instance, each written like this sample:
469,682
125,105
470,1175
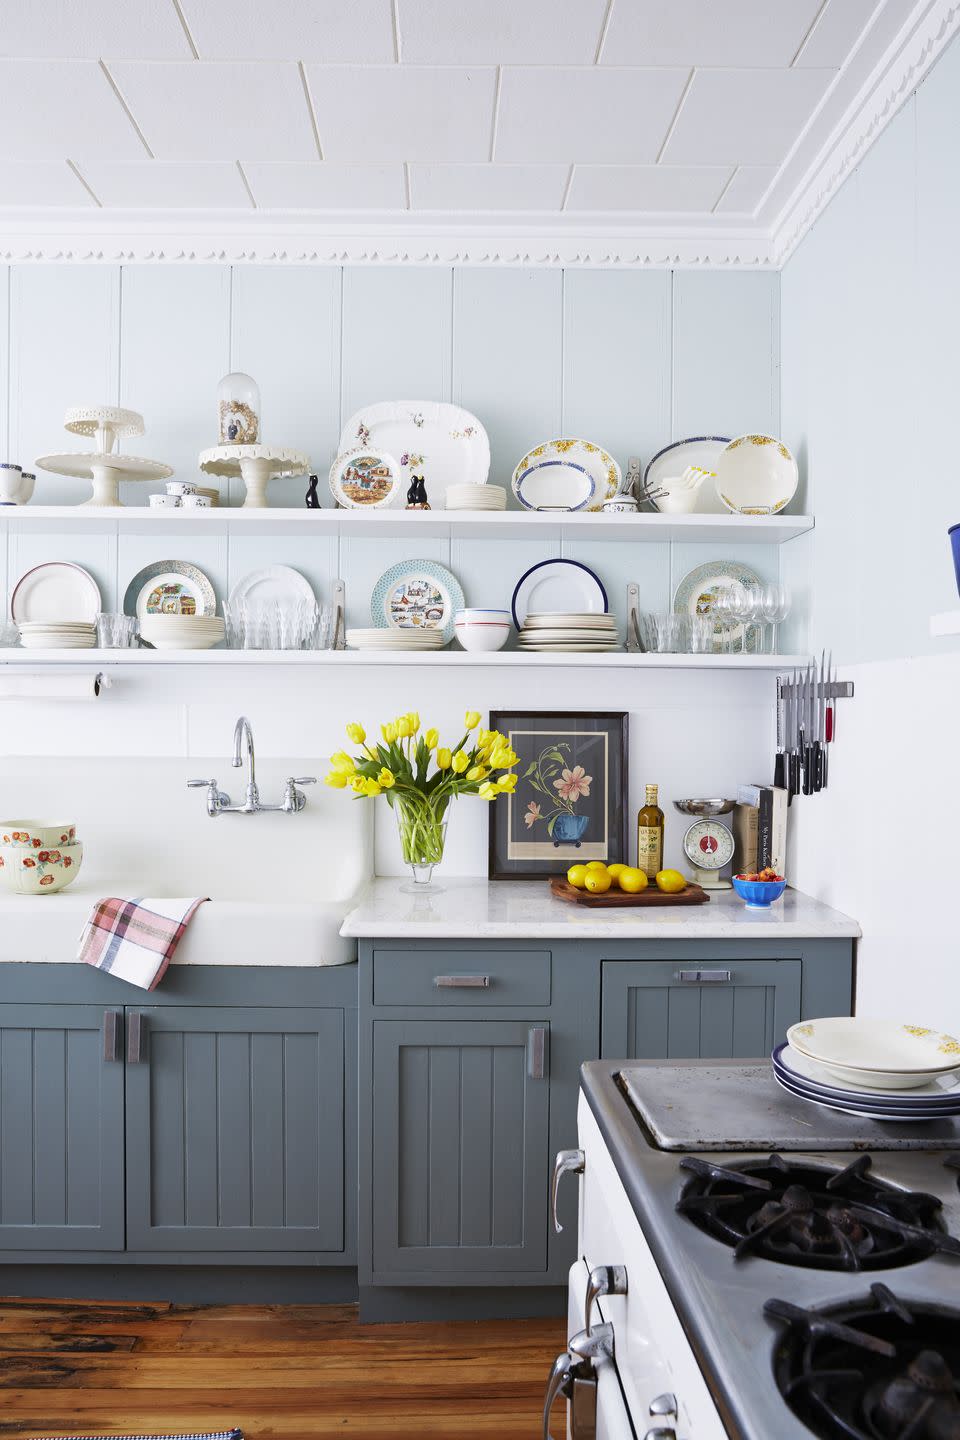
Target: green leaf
550,824
529,770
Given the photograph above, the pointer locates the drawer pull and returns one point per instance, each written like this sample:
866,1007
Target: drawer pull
136,1028
462,982
704,977
111,1034
537,1052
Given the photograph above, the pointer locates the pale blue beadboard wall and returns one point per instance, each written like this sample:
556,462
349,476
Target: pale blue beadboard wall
631,360
871,376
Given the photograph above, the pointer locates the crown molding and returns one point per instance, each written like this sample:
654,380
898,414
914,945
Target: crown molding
908,59
881,77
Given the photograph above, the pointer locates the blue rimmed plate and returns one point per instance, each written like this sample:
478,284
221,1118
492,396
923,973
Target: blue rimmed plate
566,475
672,460
562,587
807,1074
852,1106
417,595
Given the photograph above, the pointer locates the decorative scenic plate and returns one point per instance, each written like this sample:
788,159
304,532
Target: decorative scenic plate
566,475
698,590
365,479
170,587
417,595
443,443
702,450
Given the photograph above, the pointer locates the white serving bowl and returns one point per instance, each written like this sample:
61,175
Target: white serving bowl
483,637
479,617
39,872
756,475
37,834
884,1053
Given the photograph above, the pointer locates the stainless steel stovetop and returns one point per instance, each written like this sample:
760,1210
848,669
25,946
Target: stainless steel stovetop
730,1114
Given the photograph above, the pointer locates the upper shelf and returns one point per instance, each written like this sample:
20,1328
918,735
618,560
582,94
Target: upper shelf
439,524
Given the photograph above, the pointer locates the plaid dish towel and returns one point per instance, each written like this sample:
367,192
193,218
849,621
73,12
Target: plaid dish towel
135,939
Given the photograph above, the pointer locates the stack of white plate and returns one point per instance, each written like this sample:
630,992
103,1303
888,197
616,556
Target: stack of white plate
569,631
182,632
57,635
414,638
877,1069
476,497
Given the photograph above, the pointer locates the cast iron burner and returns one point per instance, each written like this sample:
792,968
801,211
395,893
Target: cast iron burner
821,1219
873,1369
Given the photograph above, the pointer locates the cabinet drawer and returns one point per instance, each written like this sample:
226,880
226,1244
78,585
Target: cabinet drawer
461,977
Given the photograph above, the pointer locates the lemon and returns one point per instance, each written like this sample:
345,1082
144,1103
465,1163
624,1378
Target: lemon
616,870
596,865
671,882
631,880
577,875
598,882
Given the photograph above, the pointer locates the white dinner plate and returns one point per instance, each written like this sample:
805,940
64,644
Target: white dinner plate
56,591
672,460
895,1117
800,1070
557,586
443,443
274,582
566,475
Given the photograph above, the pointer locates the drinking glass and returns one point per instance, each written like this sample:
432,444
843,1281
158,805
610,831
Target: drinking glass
662,632
700,630
116,632
742,607
775,607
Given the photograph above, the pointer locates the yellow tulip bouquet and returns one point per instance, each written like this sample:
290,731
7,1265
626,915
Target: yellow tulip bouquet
419,778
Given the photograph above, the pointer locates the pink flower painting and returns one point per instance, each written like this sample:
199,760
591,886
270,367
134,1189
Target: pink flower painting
532,814
573,783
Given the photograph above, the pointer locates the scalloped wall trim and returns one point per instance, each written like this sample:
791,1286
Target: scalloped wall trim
140,237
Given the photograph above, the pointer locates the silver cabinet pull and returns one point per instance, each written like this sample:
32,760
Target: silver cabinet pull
462,982
111,1034
135,1036
659,1433
704,977
537,1052
664,1407
603,1280
568,1162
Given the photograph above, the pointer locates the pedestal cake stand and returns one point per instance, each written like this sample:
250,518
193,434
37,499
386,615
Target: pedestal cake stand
102,467
257,464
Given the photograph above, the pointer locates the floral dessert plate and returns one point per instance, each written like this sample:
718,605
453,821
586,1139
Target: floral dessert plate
417,595
885,1053
443,443
169,587
672,460
697,592
365,479
56,591
566,475
756,475
555,586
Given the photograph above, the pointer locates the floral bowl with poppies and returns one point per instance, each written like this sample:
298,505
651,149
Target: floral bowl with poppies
37,834
39,871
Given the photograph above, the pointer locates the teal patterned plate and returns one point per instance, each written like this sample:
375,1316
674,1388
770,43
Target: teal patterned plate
416,594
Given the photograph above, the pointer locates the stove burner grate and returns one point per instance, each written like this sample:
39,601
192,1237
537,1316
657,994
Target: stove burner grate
800,1214
874,1369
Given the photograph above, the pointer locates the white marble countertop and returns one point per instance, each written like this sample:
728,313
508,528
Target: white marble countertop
508,910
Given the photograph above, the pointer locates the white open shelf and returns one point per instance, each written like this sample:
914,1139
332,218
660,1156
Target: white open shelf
618,660
437,524
946,623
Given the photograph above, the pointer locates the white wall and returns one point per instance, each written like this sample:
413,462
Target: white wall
871,375
630,360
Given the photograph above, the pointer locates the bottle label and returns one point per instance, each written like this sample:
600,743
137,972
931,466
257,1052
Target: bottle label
649,849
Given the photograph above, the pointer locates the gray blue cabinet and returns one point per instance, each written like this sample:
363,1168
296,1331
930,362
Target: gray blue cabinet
729,1008
234,1125
61,1128
460,1146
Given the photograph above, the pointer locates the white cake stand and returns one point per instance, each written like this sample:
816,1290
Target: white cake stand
257,464
102,467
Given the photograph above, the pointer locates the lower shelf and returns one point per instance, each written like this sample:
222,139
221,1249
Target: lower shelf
503,659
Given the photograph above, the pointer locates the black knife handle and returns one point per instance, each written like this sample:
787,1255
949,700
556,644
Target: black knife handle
794,773
808,769
780,770
817,765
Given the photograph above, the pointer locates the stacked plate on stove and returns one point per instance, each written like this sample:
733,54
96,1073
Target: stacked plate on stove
877,1069
569,631
418,637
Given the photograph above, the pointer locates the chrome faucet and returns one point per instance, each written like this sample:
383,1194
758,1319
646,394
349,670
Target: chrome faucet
219,803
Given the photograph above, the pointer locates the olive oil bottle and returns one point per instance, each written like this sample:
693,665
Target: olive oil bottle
650,836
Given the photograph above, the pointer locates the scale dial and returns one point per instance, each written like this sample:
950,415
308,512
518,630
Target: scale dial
708,845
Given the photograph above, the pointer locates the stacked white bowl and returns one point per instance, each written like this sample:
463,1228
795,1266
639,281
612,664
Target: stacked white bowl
57,634
38,857
482,630
182,632
476,497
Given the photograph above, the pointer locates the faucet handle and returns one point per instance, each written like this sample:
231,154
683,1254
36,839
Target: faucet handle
302,780
200,784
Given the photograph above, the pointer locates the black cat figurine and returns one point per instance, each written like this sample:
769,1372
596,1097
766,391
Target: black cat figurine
417,494
312,499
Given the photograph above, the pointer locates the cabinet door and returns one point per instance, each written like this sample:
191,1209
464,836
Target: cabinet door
459,1147
235,1129
61,1128
674,1010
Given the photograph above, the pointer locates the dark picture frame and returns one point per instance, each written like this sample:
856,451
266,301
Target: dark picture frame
572,792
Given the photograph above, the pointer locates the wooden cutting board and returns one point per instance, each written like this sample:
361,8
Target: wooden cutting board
614,899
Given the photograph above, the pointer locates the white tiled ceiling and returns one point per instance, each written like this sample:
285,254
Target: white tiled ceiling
439,108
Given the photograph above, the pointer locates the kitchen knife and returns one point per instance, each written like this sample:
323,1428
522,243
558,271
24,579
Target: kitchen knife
794,734
819,723
807,731
828,720
780,762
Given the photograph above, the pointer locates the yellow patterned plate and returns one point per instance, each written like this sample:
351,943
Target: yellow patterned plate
566,475
885,1053
756,475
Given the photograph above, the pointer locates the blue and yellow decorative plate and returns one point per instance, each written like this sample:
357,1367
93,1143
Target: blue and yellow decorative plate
417,595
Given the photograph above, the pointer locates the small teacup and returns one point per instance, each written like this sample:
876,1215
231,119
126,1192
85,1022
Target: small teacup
181,487
195,502
164,502
27,481
11,477
620,505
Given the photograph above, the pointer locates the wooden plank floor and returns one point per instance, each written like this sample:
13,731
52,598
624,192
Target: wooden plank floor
279,1372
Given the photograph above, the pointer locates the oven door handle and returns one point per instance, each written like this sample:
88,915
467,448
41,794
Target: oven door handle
575,1369
559,1375
567,1162
603,1280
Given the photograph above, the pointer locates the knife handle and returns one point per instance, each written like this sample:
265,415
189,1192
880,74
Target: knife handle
780,770
817,765
794,773
808,769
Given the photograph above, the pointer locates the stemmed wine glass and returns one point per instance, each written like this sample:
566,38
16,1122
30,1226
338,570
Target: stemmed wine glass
741,606
774,607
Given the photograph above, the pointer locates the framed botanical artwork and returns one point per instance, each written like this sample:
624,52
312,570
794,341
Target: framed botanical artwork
570,802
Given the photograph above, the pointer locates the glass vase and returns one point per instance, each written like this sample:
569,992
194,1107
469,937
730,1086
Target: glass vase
423,830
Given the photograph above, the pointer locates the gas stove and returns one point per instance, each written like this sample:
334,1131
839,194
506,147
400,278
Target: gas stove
754,1268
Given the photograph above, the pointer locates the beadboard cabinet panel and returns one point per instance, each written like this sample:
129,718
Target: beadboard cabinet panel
726,353
396,336
64,338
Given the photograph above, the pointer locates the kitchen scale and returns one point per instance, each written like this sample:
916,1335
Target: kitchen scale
708,845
